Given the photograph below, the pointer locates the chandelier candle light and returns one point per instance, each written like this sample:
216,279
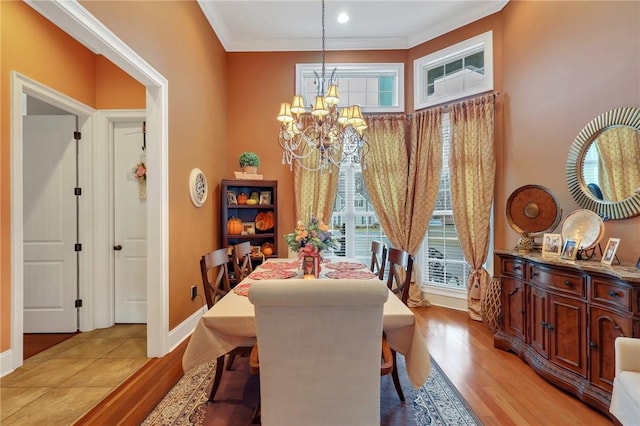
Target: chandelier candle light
333,134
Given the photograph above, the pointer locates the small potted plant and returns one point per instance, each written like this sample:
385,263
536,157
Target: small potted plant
249,161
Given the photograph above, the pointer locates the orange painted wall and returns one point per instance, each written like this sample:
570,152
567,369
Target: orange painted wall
563,63
114,85
34,47
175,38
258,83
556,66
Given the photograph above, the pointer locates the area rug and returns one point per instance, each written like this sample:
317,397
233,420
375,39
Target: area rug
437,402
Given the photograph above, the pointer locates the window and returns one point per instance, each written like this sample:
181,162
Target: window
443,264
375,87
458,71
354,222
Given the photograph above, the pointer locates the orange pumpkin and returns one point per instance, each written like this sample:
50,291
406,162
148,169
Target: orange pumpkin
265,221
267,249
242,198
234,226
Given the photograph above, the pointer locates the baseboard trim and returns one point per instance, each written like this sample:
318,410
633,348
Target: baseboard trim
185,328
6,363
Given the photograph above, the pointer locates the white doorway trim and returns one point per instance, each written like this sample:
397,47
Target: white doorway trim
20,86
76,21
103,235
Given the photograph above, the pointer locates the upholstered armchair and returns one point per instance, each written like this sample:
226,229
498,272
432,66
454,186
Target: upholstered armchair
625,400
319,350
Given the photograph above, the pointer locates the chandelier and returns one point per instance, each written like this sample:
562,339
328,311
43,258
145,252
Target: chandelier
334,135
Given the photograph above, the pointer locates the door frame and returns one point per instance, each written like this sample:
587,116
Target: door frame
76,21
105,121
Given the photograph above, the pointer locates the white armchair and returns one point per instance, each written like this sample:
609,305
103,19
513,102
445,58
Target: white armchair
319,349
625,400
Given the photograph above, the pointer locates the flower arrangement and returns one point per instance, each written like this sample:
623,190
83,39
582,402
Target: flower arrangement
311,238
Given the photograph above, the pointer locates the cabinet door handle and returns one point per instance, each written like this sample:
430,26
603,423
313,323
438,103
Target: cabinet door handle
543,324
517,268
534,274
550,327
613,293
568,283
592,345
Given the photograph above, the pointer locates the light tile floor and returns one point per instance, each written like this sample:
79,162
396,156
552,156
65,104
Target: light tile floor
59,385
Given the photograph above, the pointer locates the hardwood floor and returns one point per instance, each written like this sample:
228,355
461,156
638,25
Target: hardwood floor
34,343
498,385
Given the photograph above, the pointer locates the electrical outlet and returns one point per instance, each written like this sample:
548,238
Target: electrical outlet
194,291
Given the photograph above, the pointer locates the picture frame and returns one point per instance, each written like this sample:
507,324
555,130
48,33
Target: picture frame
265,197
570,249
256,251
231,198
551,244
248,228
610,251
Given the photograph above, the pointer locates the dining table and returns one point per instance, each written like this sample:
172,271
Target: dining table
231,323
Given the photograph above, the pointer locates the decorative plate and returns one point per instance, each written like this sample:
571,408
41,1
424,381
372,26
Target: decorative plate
279,274
533,209
265,221
583,225
242,289
351,274
198,187
281,265
345,266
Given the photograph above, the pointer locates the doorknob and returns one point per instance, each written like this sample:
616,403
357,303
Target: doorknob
118,247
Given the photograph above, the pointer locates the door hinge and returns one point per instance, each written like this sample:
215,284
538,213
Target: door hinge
77,135
78,303
77,247
77,191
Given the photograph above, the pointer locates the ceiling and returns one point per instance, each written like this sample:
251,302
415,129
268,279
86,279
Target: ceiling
295,25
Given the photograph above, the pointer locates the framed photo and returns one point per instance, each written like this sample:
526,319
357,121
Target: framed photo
265,197
570,249
610,250
248,228
551,244
231,198
256,251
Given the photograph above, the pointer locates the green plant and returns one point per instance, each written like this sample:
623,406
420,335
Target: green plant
249,159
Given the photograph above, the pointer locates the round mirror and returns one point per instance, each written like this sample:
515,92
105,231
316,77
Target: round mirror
603,168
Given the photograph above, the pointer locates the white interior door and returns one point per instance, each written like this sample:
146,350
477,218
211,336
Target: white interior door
130,230
50,221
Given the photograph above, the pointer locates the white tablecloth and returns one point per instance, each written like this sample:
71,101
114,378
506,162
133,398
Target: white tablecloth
230,323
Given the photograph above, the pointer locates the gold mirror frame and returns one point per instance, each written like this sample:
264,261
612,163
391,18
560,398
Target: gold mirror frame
629,207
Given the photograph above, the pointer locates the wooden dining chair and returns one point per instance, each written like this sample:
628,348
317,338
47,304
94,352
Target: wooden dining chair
400,270
241,259
378,258
216,264
398,281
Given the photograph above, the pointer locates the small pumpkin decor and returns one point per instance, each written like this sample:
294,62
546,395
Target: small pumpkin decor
242,198
267,249
234,226
265,221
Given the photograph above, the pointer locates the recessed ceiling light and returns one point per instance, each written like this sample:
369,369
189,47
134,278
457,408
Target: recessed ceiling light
343,17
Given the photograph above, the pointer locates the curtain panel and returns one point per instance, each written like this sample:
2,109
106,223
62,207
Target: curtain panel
472,165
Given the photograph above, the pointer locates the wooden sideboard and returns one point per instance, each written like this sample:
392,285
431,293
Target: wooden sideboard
562,317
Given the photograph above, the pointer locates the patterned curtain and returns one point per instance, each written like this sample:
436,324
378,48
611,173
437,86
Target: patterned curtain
315,191
619,157
403,188
472,165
